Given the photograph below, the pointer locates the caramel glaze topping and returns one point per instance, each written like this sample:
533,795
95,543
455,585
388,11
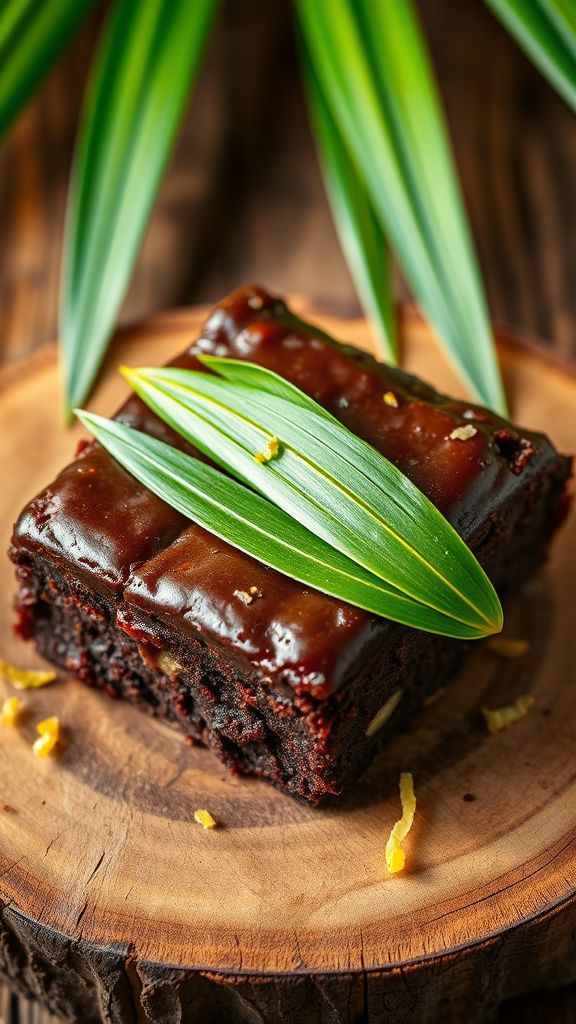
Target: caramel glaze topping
101,525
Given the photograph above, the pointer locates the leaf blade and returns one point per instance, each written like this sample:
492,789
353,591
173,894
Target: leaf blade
32,35
147,60
387,153
241,372
546,31
359,231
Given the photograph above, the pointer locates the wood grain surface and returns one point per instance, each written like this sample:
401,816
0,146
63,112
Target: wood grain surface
243,200
114,898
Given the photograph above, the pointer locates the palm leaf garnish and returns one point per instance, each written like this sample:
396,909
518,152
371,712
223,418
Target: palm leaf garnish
137,91
371,64
359,230
249,522
546,30
318,476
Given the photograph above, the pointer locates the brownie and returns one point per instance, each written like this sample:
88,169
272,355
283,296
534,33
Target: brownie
281,681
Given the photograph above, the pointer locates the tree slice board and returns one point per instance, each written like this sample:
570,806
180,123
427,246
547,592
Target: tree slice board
119,908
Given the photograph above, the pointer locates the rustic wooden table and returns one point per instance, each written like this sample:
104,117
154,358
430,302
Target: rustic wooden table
243,200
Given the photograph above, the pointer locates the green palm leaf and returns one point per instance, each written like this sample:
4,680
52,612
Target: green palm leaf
546,30
359,230
371,64
256,526
136,94
329,480
32,34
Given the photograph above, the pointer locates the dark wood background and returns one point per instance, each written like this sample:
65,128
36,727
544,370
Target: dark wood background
243,200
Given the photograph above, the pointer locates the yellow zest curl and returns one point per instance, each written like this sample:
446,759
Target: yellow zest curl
395,856
269,451
25,679
204,818
501,718
49,730
11,711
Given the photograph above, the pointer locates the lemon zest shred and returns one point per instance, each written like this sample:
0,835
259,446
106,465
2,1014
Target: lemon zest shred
501,718
49,734
204,818
395,855
269,451
11,711
25,679
390,399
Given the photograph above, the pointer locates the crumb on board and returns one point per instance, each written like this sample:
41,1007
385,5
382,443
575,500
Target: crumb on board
390,399
11,711
269,451
463,433
204,818
505,648
49,734
25,679
395,856
500,718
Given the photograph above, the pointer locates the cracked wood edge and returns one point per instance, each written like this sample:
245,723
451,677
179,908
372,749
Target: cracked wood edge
85,985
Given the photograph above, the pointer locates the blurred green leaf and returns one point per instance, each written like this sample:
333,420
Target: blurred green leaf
32,34
139,84
359,229
546,30
370,60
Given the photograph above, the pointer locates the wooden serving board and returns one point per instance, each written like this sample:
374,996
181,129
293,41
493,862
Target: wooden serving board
117,907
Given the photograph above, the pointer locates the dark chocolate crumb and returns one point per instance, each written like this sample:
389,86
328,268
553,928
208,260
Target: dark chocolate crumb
517,450
469,798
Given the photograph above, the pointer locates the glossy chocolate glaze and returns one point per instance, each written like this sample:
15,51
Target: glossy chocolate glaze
99,523
294,634
96,520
